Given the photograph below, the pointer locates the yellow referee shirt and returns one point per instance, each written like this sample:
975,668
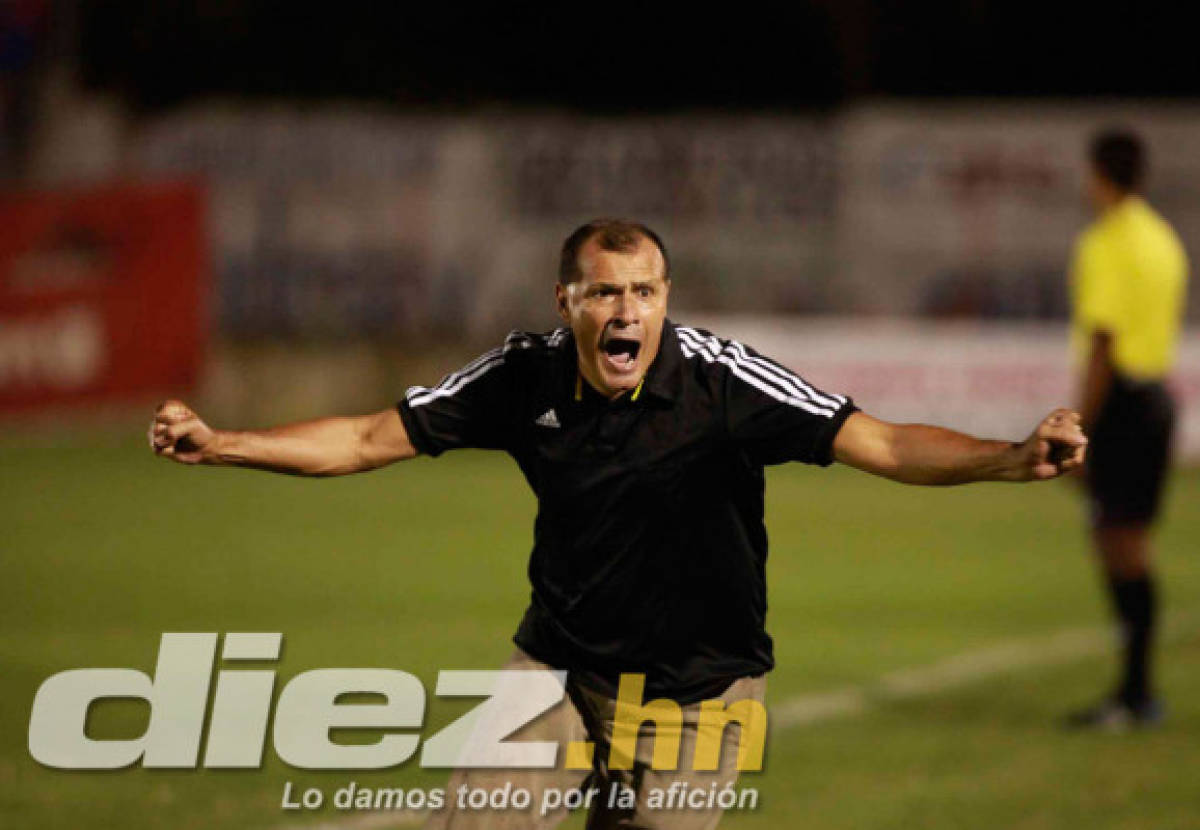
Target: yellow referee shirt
1128,277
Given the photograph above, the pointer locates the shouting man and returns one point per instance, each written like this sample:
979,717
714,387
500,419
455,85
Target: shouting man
644,442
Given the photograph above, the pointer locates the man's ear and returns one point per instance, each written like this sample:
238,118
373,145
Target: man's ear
560,301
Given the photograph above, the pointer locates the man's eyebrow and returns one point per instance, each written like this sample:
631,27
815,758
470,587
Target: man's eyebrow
615,286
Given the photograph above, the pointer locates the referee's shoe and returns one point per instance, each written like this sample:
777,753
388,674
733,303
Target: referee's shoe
1117,715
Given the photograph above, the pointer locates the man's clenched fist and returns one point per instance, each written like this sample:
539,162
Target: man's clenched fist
178,433
1057,446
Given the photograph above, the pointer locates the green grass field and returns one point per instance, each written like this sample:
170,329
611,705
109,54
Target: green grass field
422,567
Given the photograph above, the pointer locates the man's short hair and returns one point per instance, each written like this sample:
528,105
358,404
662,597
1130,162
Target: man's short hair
616,235
1120,157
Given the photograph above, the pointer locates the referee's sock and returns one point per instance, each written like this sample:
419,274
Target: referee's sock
1136,603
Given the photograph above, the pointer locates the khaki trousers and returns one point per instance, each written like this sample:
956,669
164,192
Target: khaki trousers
584,715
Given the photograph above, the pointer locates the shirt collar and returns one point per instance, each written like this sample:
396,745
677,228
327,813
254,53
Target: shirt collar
665,376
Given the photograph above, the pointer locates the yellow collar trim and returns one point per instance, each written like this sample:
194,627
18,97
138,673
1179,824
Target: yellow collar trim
579,388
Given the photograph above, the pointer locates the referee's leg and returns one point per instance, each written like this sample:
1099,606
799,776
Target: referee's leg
1126,476
562,724
1126,553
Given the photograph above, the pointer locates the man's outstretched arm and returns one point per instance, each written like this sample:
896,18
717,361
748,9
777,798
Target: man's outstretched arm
324,447
920,454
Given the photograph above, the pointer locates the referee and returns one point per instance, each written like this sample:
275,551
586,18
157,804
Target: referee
644,442
1128,281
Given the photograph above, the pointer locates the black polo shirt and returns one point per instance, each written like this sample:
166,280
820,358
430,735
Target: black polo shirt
649,548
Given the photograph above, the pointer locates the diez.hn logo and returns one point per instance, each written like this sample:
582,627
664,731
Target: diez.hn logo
313,704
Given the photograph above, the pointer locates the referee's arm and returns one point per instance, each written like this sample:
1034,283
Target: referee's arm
323,447
1097,378
921,454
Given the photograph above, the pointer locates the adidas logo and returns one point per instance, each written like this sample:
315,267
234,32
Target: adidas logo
549,418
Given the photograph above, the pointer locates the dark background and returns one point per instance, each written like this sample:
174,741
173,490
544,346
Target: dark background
606,57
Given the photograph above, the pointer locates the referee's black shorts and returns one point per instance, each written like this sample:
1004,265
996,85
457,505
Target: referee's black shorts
1129,451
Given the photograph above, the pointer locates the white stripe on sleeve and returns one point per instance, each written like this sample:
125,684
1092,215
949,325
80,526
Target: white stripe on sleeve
762,375
754,379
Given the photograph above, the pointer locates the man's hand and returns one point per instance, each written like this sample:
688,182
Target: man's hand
1057,446
178,433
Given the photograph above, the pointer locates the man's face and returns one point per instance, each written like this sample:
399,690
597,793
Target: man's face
616,311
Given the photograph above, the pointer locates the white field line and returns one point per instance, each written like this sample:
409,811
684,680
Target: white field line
960,670
944,675
906,684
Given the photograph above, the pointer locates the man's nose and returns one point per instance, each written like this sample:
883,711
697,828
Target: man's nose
624,312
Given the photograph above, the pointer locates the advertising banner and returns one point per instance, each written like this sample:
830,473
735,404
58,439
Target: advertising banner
102,293
961,211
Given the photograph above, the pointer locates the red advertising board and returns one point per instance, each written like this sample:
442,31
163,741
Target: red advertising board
102,293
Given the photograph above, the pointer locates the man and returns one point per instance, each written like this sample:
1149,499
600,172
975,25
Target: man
1128,281
645,443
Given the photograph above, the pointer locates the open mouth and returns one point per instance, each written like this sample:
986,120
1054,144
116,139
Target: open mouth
620,352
